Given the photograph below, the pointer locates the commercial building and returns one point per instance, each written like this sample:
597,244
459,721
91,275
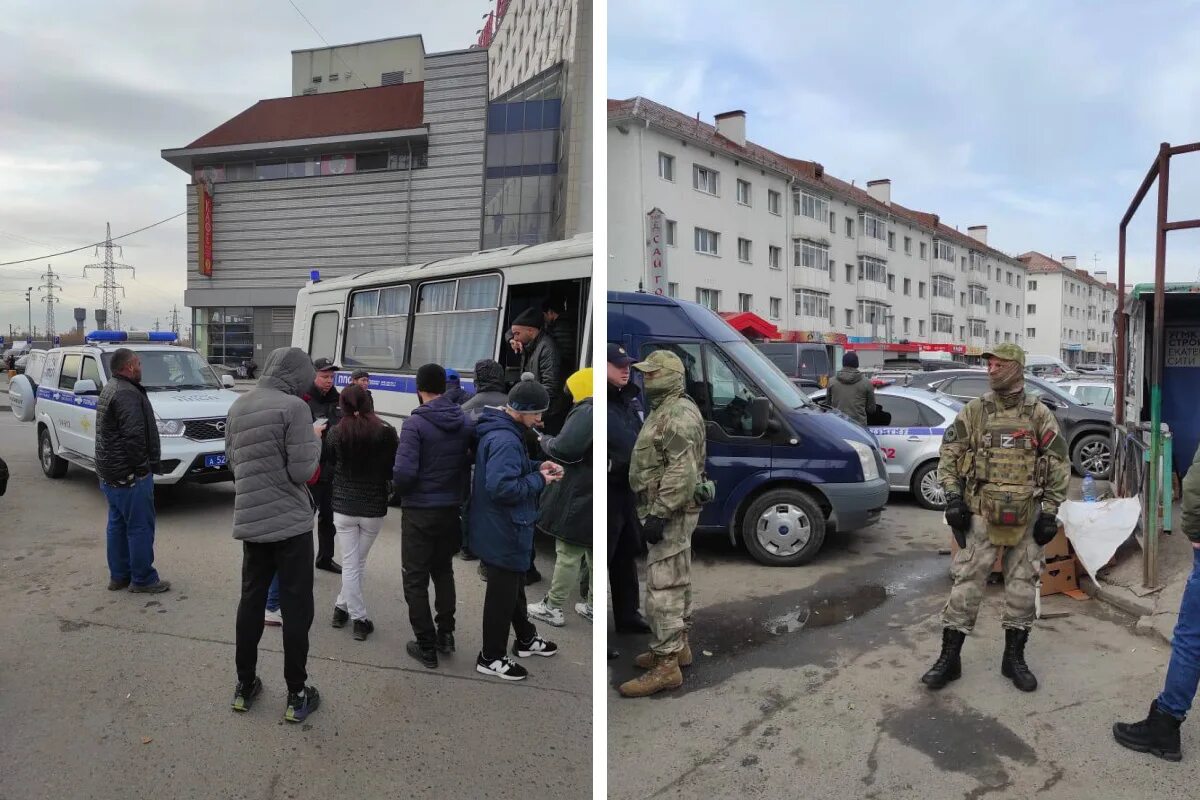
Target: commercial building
751,231
1069,312
339,180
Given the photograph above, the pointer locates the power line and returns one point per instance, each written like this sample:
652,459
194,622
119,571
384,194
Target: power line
51,284
327,44
108,282
94,244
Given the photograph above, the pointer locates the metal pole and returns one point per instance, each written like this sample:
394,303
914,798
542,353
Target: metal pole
1150,561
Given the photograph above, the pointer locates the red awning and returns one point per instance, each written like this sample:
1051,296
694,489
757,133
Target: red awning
750,324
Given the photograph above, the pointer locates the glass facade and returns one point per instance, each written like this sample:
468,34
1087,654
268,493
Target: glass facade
522,176
224,335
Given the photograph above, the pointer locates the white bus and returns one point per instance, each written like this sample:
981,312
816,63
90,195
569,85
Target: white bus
452,312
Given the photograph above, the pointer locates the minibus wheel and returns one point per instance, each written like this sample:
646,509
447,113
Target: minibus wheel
783,528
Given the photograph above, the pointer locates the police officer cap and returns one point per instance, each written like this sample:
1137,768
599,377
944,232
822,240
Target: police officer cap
1008,352
660,359
528,396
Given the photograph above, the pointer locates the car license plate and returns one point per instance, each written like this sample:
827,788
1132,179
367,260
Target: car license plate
215,460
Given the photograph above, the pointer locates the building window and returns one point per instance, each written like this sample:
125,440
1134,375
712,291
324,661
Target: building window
774,257
963,264
872,313
997,306
962,299
850,227
849,273
891,280
811,304
832,271
1018,281
921,289
1031,308
832,222
907,320
832,316
874,227
671,232
977,328
920,327
744,302
942,323
943,287
709,298
849,317
978,296
891,240
809,254
907,287
776,307
743,192
704,179
455,321
908,245
707,241
962,332
1008,277
872,269
924,250
1030,332
944,250
744,250
672,289
773,201
666,167
811,206
1008,309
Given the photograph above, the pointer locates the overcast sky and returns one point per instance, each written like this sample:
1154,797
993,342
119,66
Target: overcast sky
1037,119
92,90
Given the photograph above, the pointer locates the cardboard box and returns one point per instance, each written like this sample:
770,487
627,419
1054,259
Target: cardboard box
1059,576
1058,547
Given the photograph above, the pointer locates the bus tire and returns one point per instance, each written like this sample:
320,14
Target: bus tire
783,528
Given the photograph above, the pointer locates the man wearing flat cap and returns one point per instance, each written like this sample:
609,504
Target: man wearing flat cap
540,356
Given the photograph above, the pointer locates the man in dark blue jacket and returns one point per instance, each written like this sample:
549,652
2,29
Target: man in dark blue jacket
433,463
504,507
624,537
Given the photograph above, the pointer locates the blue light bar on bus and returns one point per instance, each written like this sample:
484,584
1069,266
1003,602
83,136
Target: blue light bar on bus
131,336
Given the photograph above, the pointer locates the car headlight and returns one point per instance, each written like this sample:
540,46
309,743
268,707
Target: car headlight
866,457
170,427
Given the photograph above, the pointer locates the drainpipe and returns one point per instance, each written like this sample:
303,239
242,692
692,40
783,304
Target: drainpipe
408,207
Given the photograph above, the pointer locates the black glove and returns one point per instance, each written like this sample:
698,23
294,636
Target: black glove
1045,529
958,517
652,529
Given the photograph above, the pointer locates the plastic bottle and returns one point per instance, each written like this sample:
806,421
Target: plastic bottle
1089,488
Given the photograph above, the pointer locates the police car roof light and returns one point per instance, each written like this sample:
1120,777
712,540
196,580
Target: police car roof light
131,336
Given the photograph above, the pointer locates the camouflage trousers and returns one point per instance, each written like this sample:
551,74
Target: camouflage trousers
970,570
669,585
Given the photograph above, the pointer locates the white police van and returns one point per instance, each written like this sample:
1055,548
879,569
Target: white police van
190,405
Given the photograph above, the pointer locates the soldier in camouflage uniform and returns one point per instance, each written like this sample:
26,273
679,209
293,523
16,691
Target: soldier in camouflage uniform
666,469
1005,469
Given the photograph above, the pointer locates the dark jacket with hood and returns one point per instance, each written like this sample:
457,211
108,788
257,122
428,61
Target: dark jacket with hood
456,394
541,357
324,404
126,434
624,424
489,390
434,457
273,451
362,485
852,394
504,498
566,511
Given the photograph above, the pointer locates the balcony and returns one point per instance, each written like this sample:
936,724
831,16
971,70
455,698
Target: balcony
872,290
810,278
942,305
870,246
813,229
943,267
980,342
942,338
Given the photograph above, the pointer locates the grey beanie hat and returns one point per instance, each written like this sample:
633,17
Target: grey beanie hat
528,396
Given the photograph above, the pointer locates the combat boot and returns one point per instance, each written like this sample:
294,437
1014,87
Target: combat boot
663,675
948,667
1013,666
1157,734
647,659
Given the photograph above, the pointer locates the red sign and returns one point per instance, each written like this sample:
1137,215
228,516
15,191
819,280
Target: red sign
204,229
911,347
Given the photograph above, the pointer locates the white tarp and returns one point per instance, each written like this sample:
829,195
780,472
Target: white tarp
1097,529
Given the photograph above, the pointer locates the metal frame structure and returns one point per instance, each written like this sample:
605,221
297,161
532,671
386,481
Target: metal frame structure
1160,169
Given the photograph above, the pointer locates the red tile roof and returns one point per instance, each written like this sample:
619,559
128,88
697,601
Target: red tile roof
1039,263
809,172
383,108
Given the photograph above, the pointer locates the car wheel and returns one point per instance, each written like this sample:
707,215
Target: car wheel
783,528
1093,453
926,488
52,465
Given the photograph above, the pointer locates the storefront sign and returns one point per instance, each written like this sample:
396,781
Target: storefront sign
813,336
906,347
656,251
204,206
1183,347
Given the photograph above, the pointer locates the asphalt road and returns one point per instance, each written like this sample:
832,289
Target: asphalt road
806,685
116,695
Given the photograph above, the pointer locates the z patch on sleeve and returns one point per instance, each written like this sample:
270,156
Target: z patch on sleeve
955,432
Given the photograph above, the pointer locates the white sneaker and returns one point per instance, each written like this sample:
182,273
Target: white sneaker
584,610
547,614
273,618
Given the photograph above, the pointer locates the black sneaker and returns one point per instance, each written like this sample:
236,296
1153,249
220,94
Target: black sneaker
340,617
298,708
467,555
243,696
329,566
504,668
151,588
445,642
115,585
535,647
427,656
363,628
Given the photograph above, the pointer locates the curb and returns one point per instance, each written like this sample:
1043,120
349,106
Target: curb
1128,602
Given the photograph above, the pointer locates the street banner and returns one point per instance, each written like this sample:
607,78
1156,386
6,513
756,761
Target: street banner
656,251
204,229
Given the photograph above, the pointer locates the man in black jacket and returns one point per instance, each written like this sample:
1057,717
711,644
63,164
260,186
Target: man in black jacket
127,455
322,401
539,356
624,536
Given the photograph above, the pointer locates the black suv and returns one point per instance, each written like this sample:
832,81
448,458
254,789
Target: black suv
1087,429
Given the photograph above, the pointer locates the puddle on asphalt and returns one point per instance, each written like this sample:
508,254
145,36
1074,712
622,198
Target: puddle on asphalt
827,611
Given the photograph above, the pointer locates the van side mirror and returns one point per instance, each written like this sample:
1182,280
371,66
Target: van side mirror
87,386
1049,402
760,415
227,381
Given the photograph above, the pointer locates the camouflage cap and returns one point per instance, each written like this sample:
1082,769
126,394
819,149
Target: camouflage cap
659,360
1008,352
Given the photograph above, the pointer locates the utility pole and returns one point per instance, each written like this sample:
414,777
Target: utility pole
50,285
116,318
156,325
108,279
29,303
175,320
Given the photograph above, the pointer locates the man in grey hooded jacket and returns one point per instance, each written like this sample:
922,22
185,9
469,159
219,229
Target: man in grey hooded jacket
274,449
851,392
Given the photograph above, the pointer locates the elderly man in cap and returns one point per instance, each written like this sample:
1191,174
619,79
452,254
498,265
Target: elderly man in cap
1004,467
361,377
540,357
666,473
322,399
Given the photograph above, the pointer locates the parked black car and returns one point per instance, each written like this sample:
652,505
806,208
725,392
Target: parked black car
1087,429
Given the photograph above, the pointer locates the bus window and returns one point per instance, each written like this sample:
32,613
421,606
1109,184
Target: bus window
378,328
322,341
456,322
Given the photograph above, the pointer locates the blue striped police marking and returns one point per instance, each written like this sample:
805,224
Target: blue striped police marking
907,431
391,383
69,398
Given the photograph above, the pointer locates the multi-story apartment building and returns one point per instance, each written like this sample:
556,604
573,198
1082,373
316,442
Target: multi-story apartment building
1069,312
749,229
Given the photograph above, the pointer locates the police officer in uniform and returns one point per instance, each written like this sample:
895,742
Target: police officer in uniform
1005,469
667,475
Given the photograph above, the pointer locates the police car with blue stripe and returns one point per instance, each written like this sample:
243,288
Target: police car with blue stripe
190,404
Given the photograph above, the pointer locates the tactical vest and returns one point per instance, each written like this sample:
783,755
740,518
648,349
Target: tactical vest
1006,449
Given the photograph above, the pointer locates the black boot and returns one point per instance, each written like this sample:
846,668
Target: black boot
948,667
1157,734
1013,666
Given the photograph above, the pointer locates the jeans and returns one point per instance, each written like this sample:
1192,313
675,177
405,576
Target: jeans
504,605
322,493
273,595
1183,673
356,535
291,563
131,532
429,538
568,559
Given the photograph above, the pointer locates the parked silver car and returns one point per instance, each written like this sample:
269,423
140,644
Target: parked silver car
910,441
1090,392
